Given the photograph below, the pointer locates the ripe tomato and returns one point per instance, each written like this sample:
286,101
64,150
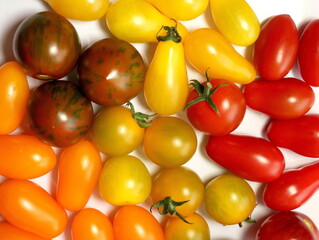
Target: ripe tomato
111,72
14,94
275,51
91,224
29,207
47,45
169,141
135,222
115,132
206,48
25,157
226,97
175,229
181,184
308,54
10,232
236,20
83,10
78,173
124,180
59,114
121,21
229,199
286,98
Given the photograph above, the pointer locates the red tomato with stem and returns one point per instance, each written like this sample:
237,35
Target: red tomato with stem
10,232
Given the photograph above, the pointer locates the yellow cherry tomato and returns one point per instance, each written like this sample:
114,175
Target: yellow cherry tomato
138,21
206,49
236,20
83,10
187,9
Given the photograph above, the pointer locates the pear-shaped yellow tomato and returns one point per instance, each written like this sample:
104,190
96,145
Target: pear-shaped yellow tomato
83,10
236,20
166,81
138,21
206,49
181,9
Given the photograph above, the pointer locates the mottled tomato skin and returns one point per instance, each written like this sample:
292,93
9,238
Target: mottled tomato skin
111,72
59,114
47,45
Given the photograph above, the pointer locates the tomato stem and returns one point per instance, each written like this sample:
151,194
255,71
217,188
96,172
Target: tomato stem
172,34
142,119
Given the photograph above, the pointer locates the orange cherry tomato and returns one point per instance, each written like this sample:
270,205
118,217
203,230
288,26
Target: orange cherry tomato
91,224
11,232
29,207
135,222
14,94
25,157
79,170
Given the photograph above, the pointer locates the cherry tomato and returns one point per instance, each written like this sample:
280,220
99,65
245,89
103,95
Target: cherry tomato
78,173
286,98
124,180
181,184
226,97
169,141
29,207
252,158
91,224
229,199
175,229
236,20
83,10
111,72
14,94
135,222
205,48
10,232
275,51
25,157
59,114
308,54
47,45
115,132
121,21
300,135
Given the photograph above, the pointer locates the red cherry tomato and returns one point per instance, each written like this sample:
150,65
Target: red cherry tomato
11,232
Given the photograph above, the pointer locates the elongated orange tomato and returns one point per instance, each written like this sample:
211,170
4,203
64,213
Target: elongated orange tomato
206,49
25,157
78,173
11,232
14,94
28,206
166,80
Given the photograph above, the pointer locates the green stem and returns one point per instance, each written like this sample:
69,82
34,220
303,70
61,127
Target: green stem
142,119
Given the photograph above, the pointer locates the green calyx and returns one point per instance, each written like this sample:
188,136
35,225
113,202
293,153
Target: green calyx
142,119
248,220
171,34
169,207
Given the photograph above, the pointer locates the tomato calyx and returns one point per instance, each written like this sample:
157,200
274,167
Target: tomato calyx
169,207
142,119
171,35
247,220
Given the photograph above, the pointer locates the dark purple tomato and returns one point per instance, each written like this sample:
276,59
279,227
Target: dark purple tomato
111,72
47,45
59,114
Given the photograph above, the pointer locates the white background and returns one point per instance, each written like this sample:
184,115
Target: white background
12,12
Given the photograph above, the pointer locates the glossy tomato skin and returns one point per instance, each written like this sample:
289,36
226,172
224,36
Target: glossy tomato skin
275,51
308,54
304,181
111,72
135,222
9,232
230,103
59,114
14,94
47,45
300,135
287,225
25,157
286,98
251,158
78,172
91,224
29,207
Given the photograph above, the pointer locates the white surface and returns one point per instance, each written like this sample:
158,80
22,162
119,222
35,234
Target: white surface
302,11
